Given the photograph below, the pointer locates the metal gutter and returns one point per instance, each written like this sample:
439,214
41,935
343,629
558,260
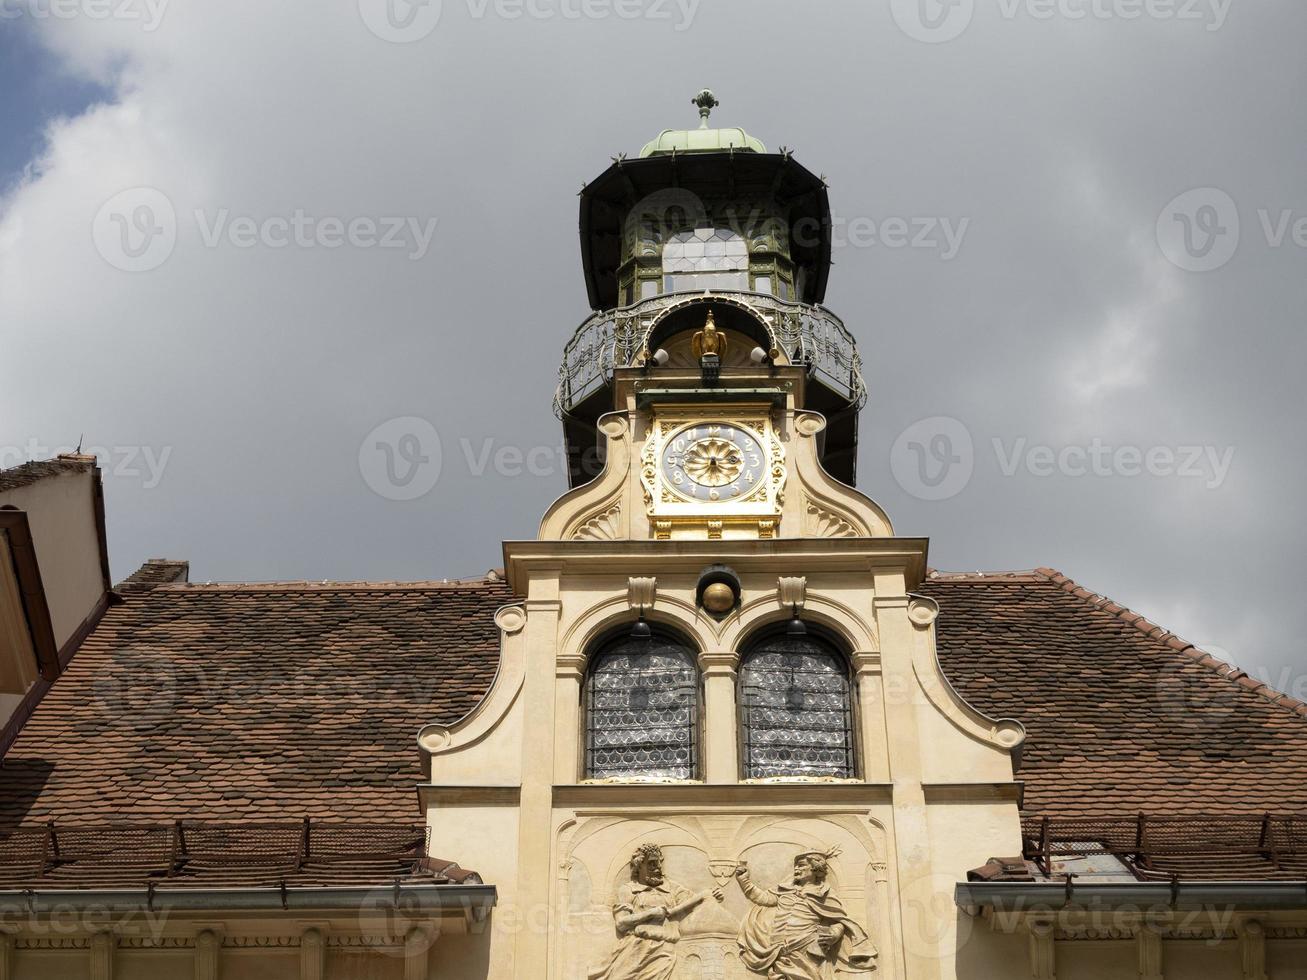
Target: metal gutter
1017,896
467,898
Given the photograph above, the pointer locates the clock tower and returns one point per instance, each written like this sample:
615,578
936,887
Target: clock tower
719,667
710,395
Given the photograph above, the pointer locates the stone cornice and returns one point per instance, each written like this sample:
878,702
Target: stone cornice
833,795
525,558
719,663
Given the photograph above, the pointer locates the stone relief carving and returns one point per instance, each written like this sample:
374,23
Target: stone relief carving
647,915
604,526
822,522
800,931
701,853
797,930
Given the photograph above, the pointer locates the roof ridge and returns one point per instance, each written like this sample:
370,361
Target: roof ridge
329,586
1226,671
1022,575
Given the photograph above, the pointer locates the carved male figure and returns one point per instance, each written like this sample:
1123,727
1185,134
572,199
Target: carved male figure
647,914
799,931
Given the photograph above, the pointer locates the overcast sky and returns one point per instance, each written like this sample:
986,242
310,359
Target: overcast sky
1013,254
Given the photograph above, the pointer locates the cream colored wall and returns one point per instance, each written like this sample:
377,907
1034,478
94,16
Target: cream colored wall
908,834
61,514
1103,945
346,954
612,507
377,944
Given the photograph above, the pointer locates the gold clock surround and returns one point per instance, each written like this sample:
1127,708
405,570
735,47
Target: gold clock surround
712,462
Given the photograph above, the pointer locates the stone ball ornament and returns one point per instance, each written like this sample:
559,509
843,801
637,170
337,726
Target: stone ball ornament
718,598
718,591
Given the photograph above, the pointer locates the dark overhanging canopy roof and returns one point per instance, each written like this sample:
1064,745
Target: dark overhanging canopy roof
743,176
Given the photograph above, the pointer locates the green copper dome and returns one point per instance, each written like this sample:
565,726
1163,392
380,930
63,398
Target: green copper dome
703,139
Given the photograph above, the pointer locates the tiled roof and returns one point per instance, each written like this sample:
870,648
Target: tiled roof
28,473
155,572
1122,717
295,854
1255,847
254,702
291,700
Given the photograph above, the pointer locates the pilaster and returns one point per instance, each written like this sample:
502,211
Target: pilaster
417,945
102,947
1149,946
207,947
569,674
1043,957
721,762
1252,950
535,814
313,954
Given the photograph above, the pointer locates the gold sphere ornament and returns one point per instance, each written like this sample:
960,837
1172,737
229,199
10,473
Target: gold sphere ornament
719,598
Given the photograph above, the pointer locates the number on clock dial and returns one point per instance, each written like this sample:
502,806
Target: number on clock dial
713,462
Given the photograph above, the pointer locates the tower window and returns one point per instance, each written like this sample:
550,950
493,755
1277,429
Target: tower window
795,709
705,258
642,710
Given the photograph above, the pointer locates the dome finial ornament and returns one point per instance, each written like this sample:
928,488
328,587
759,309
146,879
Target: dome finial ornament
706,102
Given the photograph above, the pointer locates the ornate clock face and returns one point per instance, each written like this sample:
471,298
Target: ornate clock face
713,461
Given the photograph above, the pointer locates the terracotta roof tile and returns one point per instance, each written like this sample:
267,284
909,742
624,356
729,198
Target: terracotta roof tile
290,700
1122,716
28,473
254,702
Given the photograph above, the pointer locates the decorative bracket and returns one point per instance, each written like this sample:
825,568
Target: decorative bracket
792,593
1043,958
1252,949
510,619
922,611
641,592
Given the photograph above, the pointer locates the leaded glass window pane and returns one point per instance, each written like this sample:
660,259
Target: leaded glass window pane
699,281
795,710
642,711
706,258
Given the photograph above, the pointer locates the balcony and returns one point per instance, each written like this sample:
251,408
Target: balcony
809,335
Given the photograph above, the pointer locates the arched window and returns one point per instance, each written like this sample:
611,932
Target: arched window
796,708
705,258
642,710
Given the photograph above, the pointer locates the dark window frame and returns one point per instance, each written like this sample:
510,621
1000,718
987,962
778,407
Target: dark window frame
619,643
827,643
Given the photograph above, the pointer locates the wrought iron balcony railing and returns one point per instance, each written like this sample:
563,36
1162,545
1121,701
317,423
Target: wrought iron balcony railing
809,335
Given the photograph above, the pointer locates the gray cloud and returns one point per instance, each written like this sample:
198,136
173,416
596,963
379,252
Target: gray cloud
261,369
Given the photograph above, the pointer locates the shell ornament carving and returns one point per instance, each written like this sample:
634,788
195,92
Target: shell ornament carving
824,523
604,526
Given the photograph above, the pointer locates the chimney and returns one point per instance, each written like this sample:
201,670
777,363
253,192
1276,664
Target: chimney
155,572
